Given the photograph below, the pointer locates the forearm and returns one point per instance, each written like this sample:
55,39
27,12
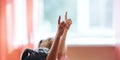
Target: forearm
54,49
62,49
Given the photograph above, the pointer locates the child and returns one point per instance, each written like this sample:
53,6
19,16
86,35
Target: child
51,49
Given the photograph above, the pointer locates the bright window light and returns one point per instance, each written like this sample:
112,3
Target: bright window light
93,20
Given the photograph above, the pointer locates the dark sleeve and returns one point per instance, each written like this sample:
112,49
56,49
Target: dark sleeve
25,54
30,51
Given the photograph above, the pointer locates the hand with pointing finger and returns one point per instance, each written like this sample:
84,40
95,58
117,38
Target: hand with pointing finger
61,26
67,21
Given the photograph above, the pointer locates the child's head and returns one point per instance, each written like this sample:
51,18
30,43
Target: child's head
46,43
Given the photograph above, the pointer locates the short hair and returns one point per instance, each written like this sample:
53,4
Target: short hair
46,43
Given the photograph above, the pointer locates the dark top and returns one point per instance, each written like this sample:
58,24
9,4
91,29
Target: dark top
38,54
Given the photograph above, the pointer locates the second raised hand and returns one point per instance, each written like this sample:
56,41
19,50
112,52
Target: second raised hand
67,21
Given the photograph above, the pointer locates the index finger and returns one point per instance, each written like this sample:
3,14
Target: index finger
59,18
66,15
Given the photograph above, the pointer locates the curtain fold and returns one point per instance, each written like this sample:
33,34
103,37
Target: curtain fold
8,38
3,31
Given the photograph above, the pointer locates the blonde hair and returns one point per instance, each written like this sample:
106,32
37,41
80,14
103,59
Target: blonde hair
46,43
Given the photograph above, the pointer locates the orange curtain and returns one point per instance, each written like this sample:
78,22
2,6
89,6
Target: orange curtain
3,31
4,34
29,20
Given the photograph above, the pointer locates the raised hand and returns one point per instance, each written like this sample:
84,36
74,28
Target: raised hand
67,21
61,26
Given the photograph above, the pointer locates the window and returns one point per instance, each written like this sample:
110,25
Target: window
93,21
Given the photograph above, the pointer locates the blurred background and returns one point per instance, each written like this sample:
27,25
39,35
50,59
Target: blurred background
94,34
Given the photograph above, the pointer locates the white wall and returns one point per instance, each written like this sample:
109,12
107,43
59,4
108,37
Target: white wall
117,19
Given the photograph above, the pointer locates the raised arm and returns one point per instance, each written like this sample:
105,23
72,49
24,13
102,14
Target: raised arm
54,48
62,48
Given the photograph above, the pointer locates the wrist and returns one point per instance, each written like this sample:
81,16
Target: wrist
59,33
65,30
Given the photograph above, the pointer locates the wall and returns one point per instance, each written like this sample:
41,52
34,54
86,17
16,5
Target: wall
117,26
91,53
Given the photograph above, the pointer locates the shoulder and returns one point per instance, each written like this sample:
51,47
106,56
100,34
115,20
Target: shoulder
42,50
